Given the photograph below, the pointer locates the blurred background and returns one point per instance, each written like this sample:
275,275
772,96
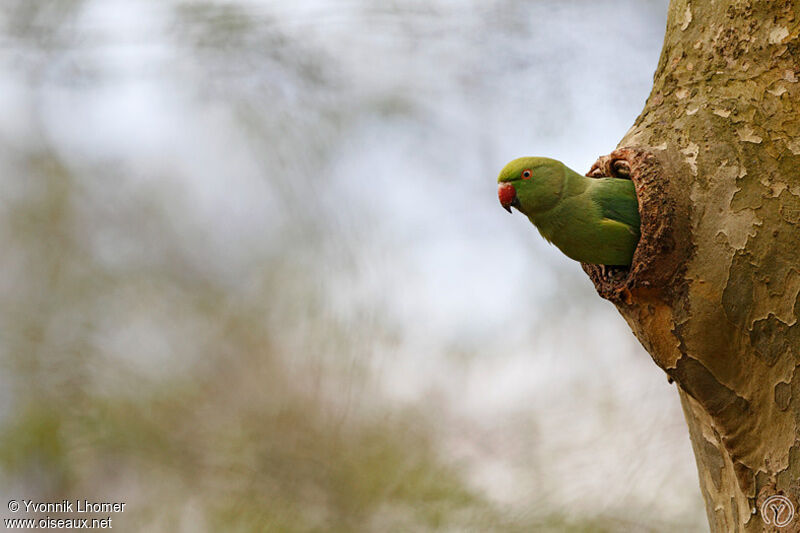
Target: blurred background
255,277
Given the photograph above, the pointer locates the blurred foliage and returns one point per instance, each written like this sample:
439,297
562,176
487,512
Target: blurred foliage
252,446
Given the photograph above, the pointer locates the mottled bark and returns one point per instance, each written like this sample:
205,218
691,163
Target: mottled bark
713,290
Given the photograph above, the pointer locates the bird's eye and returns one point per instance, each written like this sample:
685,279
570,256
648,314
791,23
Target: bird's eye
526,174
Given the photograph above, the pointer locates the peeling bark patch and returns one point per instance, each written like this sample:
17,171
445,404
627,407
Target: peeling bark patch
783,395
790,213
787,477
777,35
701,385
747,134
687,18
745,477
747,198
735,507
768,338
777,295
691,156
737,297
715,462
777,91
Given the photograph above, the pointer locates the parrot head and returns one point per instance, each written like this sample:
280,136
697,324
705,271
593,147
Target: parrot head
531,184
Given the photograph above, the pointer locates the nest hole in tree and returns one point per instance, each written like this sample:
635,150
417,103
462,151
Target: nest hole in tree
657,259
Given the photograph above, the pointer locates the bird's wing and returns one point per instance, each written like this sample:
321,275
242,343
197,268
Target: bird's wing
617,200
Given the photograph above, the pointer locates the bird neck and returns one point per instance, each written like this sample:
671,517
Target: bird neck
574,184
549,221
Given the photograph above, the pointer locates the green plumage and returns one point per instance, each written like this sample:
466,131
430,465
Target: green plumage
591,220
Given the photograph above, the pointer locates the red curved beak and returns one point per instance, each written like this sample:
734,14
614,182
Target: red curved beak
508,196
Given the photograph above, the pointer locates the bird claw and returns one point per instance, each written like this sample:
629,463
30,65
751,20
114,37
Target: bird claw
621,168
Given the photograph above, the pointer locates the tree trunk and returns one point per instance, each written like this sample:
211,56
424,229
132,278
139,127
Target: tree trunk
712,293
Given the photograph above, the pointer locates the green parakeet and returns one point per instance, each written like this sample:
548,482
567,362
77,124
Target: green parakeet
592,220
